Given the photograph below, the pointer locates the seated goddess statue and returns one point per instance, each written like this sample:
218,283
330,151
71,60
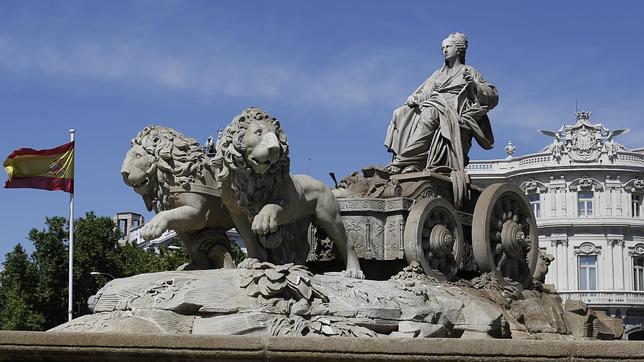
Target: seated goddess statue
434,128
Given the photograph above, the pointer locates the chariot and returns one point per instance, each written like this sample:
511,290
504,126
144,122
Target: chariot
413,217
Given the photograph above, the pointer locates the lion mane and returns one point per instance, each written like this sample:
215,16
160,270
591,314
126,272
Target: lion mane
251,190
179,161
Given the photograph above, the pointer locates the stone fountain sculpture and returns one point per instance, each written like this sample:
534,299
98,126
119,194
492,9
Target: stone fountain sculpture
272,209
174,177
434,128
487,285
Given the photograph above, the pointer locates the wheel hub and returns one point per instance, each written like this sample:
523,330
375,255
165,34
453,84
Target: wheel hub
441,241
512,239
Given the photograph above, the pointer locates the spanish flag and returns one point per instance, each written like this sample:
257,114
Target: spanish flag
41,169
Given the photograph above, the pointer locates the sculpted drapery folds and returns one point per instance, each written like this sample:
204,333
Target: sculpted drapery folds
436,125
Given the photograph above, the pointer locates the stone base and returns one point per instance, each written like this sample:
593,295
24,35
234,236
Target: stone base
97,347
266,300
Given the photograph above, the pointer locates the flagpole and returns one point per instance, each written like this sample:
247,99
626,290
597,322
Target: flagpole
70,307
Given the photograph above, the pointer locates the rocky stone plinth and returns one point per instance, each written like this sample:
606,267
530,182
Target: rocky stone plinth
287,300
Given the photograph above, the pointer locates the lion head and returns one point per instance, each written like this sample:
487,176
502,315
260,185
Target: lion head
159,159
252,157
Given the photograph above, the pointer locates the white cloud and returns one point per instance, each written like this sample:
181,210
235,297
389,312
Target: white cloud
353,79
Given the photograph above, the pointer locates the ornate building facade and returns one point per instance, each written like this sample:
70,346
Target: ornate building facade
586,192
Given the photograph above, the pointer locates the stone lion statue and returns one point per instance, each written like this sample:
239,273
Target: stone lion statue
173,175
272,209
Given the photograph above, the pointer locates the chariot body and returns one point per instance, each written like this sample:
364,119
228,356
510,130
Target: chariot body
412,217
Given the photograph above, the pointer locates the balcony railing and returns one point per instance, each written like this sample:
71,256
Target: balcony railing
535,160
605,297
544,160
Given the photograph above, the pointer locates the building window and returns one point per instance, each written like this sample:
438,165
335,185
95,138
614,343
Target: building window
637,205
585,203
122,225
535,201
638,273
587,272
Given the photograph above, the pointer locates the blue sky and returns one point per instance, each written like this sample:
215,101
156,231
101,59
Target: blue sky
331,71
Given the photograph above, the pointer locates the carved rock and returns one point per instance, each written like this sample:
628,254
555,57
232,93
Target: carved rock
540,313
580,325
595,324
264,299
575,306
611,328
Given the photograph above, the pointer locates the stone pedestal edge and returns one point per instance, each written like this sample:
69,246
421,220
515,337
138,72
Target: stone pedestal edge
97,347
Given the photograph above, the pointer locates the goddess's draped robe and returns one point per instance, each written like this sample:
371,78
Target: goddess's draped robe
438,131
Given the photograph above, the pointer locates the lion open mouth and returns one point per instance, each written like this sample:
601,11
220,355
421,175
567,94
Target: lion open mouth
261,166
262,163
142,184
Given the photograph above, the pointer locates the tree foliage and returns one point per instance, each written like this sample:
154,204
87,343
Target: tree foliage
237,253
50,261
135,260
18,303
33,288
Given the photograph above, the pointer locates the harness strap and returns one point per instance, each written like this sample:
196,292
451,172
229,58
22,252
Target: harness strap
196,188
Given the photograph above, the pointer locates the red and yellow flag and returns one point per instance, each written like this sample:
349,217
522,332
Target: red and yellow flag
41,169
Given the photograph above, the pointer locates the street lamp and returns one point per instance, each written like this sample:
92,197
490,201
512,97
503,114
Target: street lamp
174,247
102,273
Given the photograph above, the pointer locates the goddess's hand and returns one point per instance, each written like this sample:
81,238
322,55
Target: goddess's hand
469,79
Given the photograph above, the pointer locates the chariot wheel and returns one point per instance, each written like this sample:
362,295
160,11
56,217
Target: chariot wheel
504,234
433,237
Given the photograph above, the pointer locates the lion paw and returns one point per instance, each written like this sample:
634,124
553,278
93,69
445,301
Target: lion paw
153,229
354,274
266,220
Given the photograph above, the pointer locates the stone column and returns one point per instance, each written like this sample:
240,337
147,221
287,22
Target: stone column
564,207
564,255
610,265
560,267
553,199
629,254
620,204
572,268
618,255
628,271
598,203
554,267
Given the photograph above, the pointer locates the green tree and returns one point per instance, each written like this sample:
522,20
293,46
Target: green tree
95,240
50,259
34,290
173,256
137,261
18,304
236,252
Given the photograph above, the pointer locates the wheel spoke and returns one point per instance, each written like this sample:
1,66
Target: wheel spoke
501,232
433,237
